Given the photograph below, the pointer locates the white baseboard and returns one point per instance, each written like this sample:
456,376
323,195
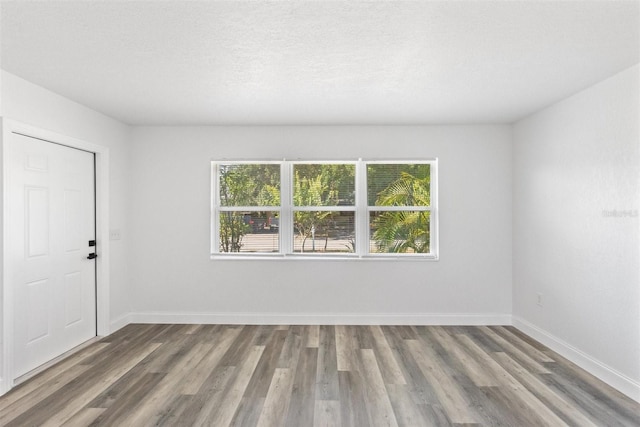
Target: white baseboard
322,318
615,379
120,322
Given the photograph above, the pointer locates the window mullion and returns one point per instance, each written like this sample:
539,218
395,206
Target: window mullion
333,232
433,192
215,215
248,208
330,208
362,212
399,208
286,214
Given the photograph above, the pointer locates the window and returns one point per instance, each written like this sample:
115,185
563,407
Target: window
399,205
324,207
348,209
248,207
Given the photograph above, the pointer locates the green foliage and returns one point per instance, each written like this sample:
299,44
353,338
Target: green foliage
407,190
324,185
318,185
250,185
381,176
321,185
403,231
244,185
269,196
232,230
311,191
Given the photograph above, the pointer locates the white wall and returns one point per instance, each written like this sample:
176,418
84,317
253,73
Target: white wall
176,281
574,163
571,162
39,107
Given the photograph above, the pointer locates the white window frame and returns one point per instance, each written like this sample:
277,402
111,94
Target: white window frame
216,207
361,211
433,228
293,208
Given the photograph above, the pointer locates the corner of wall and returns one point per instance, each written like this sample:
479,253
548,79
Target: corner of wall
43,109
600,370
571,163
120,322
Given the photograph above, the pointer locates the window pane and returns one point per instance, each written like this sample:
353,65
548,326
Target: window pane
249,232
249,185
399,232
324,185
324,232
398,184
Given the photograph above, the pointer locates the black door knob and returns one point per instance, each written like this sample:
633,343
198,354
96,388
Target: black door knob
92,256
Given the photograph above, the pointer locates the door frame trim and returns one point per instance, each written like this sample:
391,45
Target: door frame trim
9,127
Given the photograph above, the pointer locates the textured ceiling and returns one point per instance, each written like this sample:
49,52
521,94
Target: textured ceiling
387,62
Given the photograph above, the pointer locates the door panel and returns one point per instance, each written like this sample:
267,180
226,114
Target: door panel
37,216
73,298
72,220
52,219
38,306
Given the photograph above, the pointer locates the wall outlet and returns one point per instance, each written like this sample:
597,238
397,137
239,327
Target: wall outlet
115,234
539,300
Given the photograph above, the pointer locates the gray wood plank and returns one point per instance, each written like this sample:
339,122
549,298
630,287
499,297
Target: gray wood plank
224,413
554,401
353,407
61,405
173,414
391,372
407,413
276,403
327,374
303,391
262,376
129,400
449,394
355,376
327,414
377,400
313,336
201,406
291,347
248,412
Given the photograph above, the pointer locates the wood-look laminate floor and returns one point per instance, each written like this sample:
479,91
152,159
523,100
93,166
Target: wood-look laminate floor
219,375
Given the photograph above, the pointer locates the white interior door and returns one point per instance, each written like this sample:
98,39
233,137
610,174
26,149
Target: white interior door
51,221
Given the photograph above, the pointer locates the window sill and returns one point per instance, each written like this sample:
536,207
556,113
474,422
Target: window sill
321,257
